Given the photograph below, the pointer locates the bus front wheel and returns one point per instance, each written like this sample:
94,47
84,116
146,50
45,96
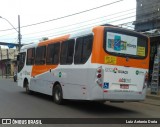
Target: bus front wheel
26,85
58,95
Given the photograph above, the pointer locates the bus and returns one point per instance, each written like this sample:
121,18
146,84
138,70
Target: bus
106,63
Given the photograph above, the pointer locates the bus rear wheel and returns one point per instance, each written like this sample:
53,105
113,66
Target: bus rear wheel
58,95
27,89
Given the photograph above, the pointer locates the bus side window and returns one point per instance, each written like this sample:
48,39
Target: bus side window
87,48
67,50
30,56
70,51
83,49
40,55
50,48
78,51
53,53
63,57
56,52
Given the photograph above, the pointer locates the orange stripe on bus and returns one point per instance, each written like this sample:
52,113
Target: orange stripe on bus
58,39
40,69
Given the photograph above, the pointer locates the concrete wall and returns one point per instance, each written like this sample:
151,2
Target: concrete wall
7,57
8,54
147,15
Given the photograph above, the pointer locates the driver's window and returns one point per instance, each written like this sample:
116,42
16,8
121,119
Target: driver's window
21,61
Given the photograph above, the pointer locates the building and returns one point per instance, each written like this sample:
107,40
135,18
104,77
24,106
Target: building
8,62
147,15
148,22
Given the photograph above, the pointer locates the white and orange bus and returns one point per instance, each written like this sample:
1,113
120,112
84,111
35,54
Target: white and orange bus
106,63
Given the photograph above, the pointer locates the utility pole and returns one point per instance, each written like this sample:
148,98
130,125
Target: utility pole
19,31
19,34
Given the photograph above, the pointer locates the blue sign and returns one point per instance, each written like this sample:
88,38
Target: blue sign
106,85
117,43
11,45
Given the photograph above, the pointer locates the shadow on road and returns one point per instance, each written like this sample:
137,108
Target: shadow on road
90,107
97,107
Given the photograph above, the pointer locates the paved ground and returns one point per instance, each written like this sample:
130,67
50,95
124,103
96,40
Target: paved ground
15,103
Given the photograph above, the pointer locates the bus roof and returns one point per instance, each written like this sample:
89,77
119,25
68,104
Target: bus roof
69,36
58,39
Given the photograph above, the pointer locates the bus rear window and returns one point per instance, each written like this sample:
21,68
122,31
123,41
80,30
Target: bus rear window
124,43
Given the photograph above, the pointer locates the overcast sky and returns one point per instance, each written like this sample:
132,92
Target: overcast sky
35,11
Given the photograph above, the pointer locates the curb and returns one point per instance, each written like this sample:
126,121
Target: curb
155,97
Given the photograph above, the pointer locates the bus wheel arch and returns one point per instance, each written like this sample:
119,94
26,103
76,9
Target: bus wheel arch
57,93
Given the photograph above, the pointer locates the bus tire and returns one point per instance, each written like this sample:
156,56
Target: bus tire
58,94
28,91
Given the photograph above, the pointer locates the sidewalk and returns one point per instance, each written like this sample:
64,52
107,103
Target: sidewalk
152,96
152,99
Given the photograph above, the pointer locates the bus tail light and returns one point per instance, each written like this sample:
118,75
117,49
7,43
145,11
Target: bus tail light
99,76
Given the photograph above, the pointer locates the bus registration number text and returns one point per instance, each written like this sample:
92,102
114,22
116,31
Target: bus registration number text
124,86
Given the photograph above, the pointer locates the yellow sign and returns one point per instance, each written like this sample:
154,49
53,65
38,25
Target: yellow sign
140,51
110,60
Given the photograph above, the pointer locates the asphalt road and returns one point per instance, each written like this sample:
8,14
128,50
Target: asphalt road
15,103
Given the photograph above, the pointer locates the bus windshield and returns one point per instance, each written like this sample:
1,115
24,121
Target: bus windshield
125,44
21,61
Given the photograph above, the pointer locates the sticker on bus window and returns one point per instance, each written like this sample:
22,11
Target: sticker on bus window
121,43
110,60
140,51
117,43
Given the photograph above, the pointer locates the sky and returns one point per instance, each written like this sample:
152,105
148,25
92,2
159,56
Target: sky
50,12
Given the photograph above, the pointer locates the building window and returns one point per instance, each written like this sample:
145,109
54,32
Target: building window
30,56
83,49
67,50
53,51
40,55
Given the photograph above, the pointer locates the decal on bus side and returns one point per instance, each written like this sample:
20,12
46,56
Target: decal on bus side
110,60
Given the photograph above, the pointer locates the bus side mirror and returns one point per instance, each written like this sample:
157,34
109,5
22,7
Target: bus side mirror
18,57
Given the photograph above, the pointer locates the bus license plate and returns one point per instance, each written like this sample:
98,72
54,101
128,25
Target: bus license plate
124,86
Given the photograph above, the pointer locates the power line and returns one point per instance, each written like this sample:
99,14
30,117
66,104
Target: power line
73,31
7,34
89,25
101,21
69,15
117,20
93,24
113,14
74,13
86,21
70,32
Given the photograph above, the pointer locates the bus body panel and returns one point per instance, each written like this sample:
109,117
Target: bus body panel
124,81
123,77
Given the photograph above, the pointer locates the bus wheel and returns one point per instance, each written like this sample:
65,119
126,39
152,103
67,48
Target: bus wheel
27,88
58,95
